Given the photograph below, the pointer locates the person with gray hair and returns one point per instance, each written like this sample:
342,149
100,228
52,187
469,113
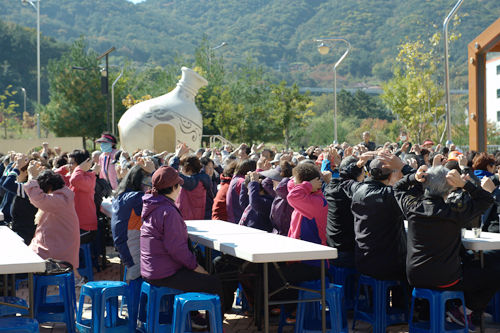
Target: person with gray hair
367,143
434,258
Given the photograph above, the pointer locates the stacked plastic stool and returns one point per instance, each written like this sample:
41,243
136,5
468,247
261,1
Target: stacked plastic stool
87,269
59,308
156,306
309,314
347,278
7,310
185,303
494,308
105,309
437,301
379,314
18,325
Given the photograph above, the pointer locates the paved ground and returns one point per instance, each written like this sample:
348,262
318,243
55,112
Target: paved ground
235,322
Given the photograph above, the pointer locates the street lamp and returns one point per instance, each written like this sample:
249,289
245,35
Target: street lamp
24,92
324,49
112,89
446,71
212,49
218,47
37,8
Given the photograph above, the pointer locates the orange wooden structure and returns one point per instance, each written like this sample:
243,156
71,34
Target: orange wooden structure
488,41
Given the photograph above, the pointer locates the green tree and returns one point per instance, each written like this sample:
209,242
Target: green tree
76,106
7,110
288,107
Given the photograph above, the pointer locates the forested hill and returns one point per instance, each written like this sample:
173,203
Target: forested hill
155,31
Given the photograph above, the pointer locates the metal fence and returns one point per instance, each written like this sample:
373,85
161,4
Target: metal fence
492,149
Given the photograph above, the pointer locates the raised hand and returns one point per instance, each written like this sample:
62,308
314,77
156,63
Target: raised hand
438,160
421,173
146,164
316,184
85,165
453,178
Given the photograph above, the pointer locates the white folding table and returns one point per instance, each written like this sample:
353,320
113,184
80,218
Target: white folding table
18,258
487,241
267,248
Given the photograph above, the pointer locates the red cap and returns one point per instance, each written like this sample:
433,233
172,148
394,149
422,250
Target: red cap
165,177
428,142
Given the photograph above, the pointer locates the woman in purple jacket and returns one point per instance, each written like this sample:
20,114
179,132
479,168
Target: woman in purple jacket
233,203
166,260
281,211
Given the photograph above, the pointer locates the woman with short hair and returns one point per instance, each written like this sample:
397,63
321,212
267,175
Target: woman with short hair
57,235
166,259
192,197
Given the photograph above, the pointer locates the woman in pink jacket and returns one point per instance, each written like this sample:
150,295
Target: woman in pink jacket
192,197
57,235
81,181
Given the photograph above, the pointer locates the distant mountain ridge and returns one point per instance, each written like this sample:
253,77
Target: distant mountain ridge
154,31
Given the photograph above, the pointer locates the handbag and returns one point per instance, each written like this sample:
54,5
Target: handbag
55,267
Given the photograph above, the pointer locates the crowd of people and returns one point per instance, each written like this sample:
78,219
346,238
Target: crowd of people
354,198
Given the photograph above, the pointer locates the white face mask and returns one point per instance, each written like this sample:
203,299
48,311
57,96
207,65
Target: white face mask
403,137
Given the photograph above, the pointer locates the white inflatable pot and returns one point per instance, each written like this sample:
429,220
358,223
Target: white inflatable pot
163,122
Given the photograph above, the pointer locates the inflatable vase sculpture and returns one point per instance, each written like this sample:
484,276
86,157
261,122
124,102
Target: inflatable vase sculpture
163,122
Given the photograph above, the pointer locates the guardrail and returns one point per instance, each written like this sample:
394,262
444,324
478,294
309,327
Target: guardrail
214,138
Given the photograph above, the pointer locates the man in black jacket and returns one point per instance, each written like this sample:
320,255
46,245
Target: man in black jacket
434,237
379,222
340,223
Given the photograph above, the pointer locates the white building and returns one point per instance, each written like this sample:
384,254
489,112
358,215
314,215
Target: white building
493,90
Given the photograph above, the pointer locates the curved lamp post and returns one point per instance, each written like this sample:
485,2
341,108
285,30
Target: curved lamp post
446,71
324,49
212,49
37,8
112,89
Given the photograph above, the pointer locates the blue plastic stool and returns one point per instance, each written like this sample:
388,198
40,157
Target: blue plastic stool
105,310
241,299
437,301
135,293
156,306
18,282
347,278
185,303
494,308
18,325
59,308
380,314
309,314
87,269
6,310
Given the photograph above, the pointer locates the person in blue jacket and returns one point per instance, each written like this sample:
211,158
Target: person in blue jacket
8,196
126,215
22,210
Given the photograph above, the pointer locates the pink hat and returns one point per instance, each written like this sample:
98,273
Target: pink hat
106,138
428,142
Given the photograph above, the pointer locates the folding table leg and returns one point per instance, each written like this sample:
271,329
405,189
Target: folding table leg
323,298
258,300
481,258
266,298
31,295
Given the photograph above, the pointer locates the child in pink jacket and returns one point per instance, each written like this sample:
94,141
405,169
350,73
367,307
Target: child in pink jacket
308,224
